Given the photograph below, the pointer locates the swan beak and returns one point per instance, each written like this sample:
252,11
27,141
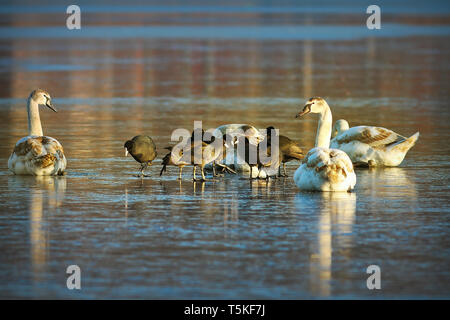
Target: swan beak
306,110
49,105
126,152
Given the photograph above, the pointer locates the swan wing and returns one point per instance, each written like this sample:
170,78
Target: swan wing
331,159
372,136
325,170
38,155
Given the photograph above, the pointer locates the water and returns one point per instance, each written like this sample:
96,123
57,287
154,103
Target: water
232,238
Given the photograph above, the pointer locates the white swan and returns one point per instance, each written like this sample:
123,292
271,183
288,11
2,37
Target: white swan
373,146
324,169
37,154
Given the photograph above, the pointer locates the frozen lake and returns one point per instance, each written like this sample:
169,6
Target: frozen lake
159,238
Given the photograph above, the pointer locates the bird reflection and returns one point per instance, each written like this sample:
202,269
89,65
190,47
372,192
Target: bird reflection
336,215
199,190
46,194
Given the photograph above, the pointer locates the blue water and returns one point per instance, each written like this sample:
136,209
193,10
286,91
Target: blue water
329,32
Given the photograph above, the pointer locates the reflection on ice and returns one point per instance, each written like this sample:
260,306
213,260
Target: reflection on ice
45,193
336,216
49,195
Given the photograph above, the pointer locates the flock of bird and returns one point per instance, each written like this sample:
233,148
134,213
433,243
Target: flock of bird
329,166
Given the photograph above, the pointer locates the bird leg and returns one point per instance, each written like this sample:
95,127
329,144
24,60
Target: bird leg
203,176
226,168
141,171
215,174
214,169
193,173
251,172
284,171
267,174
179,173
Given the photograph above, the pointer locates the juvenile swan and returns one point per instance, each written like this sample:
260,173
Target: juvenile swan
37,154
324,169
372,146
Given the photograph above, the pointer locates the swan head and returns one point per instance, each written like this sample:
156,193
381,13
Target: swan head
339,127
42,97
313,105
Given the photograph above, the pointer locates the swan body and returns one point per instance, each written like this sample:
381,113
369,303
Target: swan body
324,169
37,154
372,146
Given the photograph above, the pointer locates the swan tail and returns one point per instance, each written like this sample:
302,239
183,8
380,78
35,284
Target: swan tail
44,161
405,145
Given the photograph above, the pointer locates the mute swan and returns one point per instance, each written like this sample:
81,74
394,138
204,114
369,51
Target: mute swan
142,149
324,169
37,154
373,146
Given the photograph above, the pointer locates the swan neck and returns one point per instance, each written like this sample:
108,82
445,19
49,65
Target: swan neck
323,135
34,121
